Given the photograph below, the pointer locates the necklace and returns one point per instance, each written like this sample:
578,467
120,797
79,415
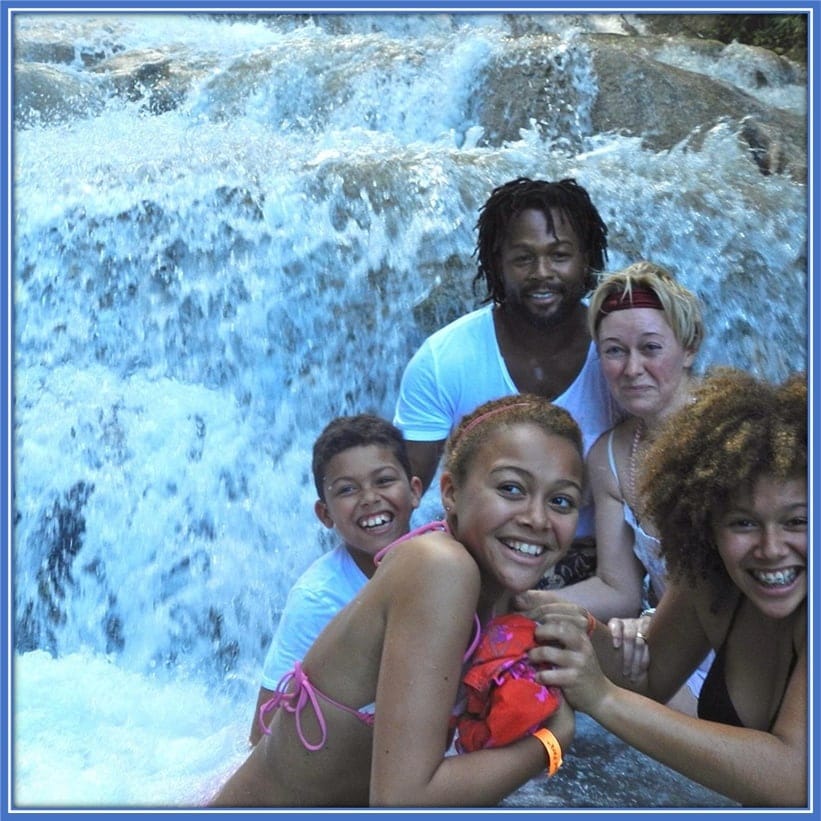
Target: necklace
638,435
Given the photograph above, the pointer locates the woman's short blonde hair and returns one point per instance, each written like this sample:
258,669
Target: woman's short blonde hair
681,306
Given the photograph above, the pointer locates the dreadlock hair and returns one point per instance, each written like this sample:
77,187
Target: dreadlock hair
737,429
507,201
347,432
475,428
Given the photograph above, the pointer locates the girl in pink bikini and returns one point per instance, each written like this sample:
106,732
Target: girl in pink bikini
367,718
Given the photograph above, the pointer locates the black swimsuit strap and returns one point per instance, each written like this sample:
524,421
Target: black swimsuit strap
714,702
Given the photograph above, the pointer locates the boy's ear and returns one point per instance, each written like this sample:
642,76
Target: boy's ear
416,491
321,510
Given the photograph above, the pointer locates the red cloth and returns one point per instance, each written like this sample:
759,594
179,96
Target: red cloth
504,703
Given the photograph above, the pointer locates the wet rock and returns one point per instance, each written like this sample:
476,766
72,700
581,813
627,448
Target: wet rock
641,96
49,93
570,89
67,39
778,33
774,148
600,771
530,81
146,75
626,85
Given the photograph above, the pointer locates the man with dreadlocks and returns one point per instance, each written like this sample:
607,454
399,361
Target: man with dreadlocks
539,245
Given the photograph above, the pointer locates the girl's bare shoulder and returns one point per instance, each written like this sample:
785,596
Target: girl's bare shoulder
429,557
714,615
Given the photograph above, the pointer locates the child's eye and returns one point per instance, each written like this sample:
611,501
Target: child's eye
511,489
797,523
566,504
345,490
384,481
741,523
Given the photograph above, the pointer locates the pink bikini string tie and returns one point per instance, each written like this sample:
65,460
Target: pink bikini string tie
295,702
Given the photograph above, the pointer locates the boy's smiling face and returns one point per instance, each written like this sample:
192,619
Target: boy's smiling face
368,500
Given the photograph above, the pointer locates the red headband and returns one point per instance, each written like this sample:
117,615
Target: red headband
639,297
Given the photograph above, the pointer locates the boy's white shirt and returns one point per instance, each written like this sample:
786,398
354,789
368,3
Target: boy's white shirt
317,596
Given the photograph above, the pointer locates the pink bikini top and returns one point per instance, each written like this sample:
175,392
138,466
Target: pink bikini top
440,526
304,692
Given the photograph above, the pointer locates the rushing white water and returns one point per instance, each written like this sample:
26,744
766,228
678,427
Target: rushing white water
202,280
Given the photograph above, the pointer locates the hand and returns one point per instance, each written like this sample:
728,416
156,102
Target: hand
567,655
533,603
631,636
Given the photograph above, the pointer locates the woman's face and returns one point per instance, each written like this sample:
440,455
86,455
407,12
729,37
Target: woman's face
518,507
762,540
645,365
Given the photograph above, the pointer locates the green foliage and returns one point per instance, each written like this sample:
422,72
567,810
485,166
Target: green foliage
782,33
785,34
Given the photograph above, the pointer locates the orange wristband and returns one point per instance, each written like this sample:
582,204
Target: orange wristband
552,748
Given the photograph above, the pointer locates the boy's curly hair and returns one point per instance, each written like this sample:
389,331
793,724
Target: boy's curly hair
737,429
361,430
474,428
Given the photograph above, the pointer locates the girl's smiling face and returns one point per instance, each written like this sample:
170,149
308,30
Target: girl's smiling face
762,540
518,507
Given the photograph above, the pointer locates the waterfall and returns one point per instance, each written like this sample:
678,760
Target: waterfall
228,228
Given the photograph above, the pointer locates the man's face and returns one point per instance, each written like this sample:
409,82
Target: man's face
544,274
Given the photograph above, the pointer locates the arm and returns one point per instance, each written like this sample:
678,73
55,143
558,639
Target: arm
615,590
429,624
753,767
423,415
256,731
424,458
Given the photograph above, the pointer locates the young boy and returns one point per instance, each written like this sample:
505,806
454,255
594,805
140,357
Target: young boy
367,493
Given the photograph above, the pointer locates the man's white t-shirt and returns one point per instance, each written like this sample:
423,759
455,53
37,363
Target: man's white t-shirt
460,366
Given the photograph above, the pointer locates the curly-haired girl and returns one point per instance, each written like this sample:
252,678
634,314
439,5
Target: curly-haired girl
726,486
